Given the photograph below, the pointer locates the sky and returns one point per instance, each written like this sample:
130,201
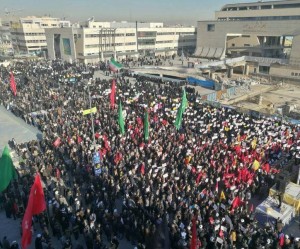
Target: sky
186,12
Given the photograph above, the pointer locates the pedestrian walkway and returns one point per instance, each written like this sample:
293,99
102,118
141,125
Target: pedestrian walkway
14,127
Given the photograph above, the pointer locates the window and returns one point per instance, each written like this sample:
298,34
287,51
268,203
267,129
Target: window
246,45
296,74
165,33
264,7
130,34
130,43
293,74
146,34
210,27
233,45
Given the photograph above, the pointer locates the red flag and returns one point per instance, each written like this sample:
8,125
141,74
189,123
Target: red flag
281,239
217,187
194,235
36,205
26,225
112,94
57,174
118,157
142,169
236,202
221,234
79,139
251,208
57,142
13,85
266,167
39,204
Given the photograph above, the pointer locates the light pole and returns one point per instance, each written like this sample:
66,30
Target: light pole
90,104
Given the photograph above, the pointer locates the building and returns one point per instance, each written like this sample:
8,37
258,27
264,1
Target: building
257,30
93,41
5,40
28,33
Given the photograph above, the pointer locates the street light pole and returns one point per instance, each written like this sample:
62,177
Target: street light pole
90,102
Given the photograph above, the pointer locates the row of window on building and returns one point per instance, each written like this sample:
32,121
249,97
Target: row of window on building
140,42
295,74
140,34
110,45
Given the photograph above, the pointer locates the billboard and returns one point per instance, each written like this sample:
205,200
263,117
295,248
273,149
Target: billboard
67,46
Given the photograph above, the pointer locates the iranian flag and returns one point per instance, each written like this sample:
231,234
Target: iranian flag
114,65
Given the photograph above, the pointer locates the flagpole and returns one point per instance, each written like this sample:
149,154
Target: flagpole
90,102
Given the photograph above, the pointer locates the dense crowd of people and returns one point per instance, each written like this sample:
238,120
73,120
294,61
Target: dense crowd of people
147,192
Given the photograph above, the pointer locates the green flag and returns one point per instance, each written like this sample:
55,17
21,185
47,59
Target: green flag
121,119
182,107
7,169
146,125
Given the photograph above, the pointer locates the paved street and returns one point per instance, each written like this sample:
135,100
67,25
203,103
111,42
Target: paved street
13,127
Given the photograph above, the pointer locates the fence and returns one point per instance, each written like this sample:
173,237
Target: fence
219,95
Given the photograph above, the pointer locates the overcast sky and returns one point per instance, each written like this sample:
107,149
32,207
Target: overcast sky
168,11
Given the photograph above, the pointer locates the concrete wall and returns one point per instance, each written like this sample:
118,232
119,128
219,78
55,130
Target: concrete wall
217,38
64,33
295,52
284,71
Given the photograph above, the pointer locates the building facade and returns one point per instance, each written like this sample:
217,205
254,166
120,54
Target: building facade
6,47
28,33
259,29
97,41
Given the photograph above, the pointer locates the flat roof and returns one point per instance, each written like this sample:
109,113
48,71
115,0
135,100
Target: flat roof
260,3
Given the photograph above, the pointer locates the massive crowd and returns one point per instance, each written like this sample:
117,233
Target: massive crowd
147,192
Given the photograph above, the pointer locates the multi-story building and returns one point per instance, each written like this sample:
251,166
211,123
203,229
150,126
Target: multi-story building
28,34
5,40
263,29
94,41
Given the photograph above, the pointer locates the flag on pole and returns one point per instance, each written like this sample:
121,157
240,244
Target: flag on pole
146,125
121,119
217,187
36,205
89,111
112,94
183,106
114,65
7,169
194,235
13,85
